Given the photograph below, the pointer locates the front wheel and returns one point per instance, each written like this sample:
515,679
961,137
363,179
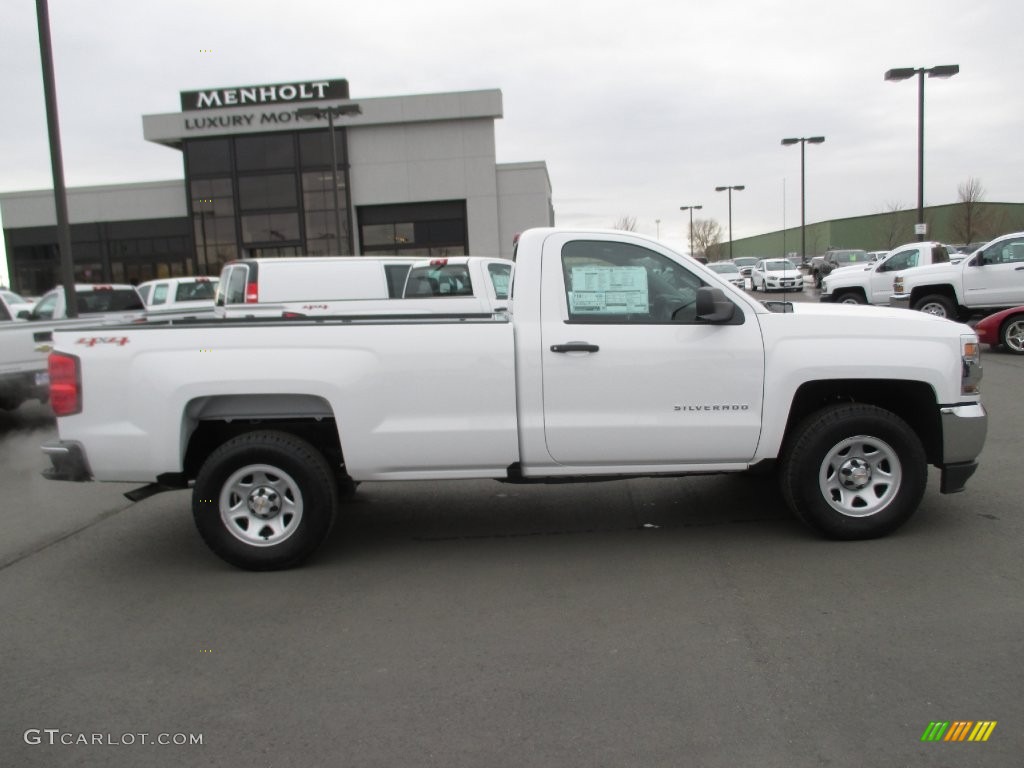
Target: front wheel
264,500
1012,335
853,471
852,297
937,305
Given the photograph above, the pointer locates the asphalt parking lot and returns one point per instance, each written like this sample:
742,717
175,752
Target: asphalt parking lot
670,622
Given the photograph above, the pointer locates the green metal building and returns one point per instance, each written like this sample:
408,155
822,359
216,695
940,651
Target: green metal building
957,223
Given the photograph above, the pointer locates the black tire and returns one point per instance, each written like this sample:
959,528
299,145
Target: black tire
938,305
10,402
851,297
1011,335
264,500
853,471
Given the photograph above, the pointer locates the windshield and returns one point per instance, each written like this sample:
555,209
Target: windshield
779,264
745,261
724,268
851,257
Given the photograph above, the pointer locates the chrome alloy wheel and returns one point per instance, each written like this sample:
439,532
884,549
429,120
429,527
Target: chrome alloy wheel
934,308
860,476
1013,335
260,505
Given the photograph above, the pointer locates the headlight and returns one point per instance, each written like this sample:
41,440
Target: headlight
971,373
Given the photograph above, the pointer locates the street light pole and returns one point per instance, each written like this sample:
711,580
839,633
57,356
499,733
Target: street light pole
691,209
803,195
737,187
60,195
905,73
317,113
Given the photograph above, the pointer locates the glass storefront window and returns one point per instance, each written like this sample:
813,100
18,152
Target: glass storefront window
205,156
270,227
274,191
315,147
261,153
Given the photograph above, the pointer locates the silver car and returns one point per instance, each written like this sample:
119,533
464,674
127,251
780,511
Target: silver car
730,272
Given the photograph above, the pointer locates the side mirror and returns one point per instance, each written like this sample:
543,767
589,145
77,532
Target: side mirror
978,260
25,314
713,306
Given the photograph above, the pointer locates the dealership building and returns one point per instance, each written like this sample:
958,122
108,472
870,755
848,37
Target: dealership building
291,169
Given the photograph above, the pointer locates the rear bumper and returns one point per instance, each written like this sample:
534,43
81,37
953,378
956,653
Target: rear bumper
68,461
964,428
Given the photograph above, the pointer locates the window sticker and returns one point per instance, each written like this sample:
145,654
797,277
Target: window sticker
602,290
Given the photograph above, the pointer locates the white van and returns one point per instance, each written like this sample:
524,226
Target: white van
268,287
363,285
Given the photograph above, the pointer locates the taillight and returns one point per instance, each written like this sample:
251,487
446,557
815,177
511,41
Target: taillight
252,293
65,384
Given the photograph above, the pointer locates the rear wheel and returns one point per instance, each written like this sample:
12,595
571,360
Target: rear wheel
1012,335
264,500
853,471
938,305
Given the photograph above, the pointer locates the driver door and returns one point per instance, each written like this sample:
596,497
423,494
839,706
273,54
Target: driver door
630,375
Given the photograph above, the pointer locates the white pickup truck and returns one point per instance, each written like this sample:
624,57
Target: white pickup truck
990,278
872,284
617,358
25,343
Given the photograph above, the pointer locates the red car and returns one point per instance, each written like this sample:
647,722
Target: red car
1004,328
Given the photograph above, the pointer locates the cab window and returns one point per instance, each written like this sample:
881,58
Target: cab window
901,260
500,278
159,294
622,283
45,308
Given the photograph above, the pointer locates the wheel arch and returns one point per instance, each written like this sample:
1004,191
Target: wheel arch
942,289
913,401
857,290
211,421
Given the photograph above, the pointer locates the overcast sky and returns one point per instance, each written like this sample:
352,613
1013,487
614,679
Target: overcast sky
637,108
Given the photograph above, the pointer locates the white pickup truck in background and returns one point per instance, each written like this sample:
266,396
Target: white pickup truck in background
362,285
990,278
25,344
872,283
617,358
178,297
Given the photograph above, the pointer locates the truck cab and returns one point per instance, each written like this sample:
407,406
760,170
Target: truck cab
872,283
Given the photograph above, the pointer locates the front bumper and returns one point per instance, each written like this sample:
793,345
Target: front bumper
901,300
68,461
964,428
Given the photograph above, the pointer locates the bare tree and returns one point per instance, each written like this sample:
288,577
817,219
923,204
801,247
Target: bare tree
625,223
894,225
707,238
969,221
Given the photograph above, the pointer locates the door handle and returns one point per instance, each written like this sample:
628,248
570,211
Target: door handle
1017,269
575,346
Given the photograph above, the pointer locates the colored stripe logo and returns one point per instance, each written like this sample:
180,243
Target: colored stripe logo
959,730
